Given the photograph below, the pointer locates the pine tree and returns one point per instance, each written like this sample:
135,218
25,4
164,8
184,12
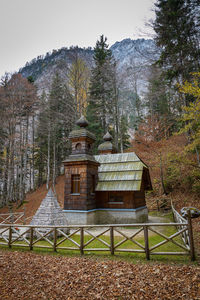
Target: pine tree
177,36
102,90
159,99
124,136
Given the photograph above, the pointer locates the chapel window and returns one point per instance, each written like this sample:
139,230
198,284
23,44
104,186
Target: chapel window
75,184
78,146
115,198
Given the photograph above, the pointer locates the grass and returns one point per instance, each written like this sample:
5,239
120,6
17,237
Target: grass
133,257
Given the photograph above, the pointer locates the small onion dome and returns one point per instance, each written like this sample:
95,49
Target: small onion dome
107,137
82,131
82,122
107,146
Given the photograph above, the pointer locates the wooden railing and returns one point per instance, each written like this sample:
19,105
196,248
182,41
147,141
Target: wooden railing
12,218
135,238
187,235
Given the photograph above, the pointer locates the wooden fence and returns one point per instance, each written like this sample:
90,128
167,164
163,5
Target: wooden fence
12,218
187,235
110,238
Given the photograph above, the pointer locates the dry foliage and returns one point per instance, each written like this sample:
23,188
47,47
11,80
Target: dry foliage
33,276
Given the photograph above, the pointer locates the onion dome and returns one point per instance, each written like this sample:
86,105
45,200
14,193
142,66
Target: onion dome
82,122
82,131
107,147
107,137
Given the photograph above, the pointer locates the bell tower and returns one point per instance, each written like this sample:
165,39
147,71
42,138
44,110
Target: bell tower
81,170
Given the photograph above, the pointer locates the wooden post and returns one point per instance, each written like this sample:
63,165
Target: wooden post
146,240
31,238
10,237
112,249
191,240
82,240
55,239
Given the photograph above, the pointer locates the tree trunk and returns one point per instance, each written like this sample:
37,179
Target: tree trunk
162,177
25,159
197,156
21,164
48,161
5,180
54,165
33,152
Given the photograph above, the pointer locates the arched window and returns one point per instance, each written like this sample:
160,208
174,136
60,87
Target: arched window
78,146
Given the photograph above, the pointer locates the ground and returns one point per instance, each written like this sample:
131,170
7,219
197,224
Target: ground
26,275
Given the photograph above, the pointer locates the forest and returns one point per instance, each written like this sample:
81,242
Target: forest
164,129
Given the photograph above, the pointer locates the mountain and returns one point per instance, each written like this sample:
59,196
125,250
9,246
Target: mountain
44,68
135,52
133,59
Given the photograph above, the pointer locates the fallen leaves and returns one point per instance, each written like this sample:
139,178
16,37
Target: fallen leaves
32,276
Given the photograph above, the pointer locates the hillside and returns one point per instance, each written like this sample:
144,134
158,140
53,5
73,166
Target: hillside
180,178
137,54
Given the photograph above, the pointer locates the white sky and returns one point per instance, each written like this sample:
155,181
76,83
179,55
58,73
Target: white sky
29,28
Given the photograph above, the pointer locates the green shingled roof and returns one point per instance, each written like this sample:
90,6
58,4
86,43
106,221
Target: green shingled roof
77,133
119,172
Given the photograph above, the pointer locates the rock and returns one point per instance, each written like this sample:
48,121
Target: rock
195,212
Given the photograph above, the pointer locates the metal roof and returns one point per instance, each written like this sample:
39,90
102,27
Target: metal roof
119,172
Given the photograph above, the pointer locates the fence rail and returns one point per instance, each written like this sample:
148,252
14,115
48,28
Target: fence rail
187,235
111,238
12,218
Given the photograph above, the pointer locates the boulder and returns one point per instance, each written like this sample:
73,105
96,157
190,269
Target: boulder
194,212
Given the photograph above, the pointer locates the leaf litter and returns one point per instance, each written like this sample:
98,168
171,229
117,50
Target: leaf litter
25,275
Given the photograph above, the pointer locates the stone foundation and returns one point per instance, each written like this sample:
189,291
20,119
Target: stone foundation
106,216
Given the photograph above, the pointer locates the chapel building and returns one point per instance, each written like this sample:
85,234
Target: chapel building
106,188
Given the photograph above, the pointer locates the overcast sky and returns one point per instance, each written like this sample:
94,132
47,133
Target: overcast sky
29,28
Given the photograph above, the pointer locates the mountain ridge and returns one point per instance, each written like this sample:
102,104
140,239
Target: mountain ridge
127,53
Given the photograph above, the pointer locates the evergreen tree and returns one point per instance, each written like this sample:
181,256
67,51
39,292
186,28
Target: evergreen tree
124,136
177,36
102,90
157,97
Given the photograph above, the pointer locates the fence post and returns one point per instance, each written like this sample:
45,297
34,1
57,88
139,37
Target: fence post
10,237
82,240
191,240
55,239
146,240
112,249
31,238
